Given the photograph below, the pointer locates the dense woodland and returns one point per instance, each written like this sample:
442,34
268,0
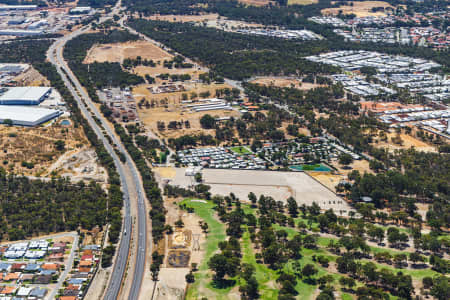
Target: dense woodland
233,55
33,207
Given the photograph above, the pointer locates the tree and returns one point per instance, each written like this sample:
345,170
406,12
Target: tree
347,281
345,159
222,266
207,121
60,145
250,289
198,177
190,278
309,270
8,122
252,198
292,207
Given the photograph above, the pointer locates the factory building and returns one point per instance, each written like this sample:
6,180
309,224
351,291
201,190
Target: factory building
23,95
17,7
27,116
20,32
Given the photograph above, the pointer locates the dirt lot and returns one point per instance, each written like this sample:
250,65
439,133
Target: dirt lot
174,110
119,52
31,78
184,18
408,142
361,165
279,185
79,164
256,2
302,2
360,9
285,82
327,179
36,145
159,69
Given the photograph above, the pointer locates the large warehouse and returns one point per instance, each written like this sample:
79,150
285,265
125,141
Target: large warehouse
27,116
28,95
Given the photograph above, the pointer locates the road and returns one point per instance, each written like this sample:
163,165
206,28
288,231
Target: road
128,172
69,264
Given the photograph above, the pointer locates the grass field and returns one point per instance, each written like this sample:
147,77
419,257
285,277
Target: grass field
241,150
265,276
215,235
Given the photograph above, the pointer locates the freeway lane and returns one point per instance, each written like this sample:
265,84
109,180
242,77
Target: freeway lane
128,174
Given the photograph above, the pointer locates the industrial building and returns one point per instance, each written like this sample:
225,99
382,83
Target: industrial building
20,32
17,7
23,95
27,116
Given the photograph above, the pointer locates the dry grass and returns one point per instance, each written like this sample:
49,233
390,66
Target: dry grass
360,165
327,179
256,2
184,18
302,2
35,145
285,82
159,69
120,51
31,78
360,9
174,111
408,141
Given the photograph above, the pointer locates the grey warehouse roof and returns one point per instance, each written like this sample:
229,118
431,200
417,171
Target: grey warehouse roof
24,94
26,115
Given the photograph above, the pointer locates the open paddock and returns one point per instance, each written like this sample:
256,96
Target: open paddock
184,18
360,9
120,51
285,82
279,185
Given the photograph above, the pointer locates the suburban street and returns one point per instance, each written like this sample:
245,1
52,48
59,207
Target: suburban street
134,196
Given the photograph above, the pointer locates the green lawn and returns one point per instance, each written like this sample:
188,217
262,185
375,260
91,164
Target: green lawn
263,274
216,234
241,150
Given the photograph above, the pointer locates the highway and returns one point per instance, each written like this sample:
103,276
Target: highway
129,176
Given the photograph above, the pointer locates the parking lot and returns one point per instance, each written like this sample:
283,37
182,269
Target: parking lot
279,185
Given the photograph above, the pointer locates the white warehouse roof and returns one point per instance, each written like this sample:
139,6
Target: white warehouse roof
26,115
24,95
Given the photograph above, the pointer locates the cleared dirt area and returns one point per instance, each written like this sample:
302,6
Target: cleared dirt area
79,164
279,185
285,82
31,78
327,179
173,110
120,51
160,69
360,165
256,2
302,2
407,141
184,18
360,9
36,146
